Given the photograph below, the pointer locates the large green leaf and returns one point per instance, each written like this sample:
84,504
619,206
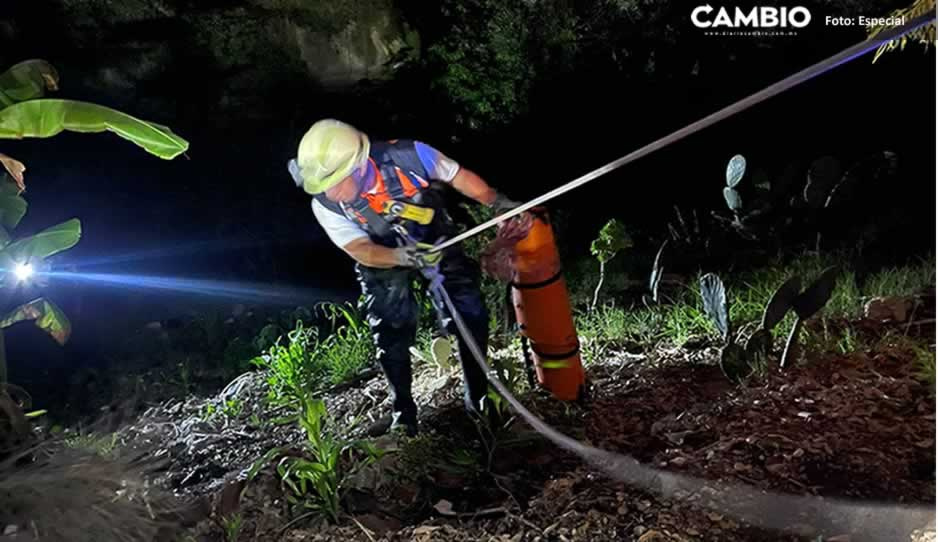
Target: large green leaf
46,315
46,118
12,206
27,80
45,243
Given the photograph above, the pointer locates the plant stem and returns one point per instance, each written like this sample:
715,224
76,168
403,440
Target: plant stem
602,276
791,343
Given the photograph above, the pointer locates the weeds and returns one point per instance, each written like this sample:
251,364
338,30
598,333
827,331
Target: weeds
349,348
101,445
306,362
683,319
900,281
925,364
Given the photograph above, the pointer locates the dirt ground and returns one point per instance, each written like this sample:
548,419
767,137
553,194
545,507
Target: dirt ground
856,426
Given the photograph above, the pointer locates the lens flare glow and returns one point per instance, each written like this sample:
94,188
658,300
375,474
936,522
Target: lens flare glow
243,291
23,271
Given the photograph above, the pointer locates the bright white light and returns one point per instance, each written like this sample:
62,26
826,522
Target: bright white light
23,271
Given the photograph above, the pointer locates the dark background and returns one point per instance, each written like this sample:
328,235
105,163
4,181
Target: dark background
228,210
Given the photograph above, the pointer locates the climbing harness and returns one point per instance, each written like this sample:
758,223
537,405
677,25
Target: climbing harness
409,211
808,73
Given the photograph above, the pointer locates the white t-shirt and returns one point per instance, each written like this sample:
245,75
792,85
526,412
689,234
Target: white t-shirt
342,230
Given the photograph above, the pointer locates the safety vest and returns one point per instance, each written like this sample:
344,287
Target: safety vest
399,176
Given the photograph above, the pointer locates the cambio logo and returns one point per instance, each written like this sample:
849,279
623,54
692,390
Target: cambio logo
757,17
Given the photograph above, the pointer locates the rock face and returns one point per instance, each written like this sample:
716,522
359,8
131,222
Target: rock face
234,54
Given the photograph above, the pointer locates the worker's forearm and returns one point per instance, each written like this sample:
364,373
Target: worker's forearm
471,185
371,254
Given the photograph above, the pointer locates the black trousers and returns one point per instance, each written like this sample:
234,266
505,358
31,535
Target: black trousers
392,313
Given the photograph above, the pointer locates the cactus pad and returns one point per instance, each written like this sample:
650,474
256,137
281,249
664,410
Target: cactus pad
714,302
780,302
817,295
733,199
735,170
758,347
733,362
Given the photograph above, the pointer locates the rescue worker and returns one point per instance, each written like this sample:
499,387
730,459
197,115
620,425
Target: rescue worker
353,181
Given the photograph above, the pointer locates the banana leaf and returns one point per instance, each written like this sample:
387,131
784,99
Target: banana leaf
44,244
46,118
12,206
45,314
27,80
14,170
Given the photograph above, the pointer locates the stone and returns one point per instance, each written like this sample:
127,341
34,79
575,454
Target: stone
888,309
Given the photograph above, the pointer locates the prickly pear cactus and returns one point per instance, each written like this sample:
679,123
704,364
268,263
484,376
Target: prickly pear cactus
733,362
781,302
735,170
758,347
714,303
816,295
807,304
733,200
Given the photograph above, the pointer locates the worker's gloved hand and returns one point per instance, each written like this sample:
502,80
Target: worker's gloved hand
502,203
417,256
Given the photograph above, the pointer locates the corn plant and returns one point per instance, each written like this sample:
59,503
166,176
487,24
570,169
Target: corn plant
317,480
232,525
291,367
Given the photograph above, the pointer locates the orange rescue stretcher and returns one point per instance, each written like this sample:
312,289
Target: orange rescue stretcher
543,312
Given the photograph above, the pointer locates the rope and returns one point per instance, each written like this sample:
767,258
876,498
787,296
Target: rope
808,73
802,515
790,513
